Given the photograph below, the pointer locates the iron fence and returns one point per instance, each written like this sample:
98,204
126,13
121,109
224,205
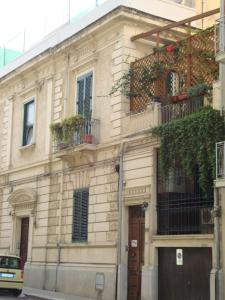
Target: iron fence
182,207
87,133
179,110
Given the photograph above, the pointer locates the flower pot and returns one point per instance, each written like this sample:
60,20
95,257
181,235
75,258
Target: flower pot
88,138
174,98
182,97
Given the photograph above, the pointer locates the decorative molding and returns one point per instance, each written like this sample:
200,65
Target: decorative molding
23,199
136,195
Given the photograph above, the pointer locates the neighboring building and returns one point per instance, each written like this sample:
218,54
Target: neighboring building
87,209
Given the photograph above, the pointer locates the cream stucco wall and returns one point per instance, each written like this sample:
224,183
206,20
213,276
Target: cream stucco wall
53,260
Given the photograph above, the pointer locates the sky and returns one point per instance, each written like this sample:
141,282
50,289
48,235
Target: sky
36,18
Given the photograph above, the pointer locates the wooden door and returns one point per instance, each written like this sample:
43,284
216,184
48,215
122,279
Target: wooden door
24,240
135,252
189,281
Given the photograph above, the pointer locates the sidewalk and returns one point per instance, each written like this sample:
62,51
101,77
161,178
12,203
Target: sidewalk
51,295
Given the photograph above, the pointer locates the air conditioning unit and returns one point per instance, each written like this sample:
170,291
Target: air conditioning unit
206,216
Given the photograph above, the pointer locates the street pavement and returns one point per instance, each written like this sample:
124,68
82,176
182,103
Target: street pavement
8,296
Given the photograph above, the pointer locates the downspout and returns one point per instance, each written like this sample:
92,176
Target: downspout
59,228
216,215
119,170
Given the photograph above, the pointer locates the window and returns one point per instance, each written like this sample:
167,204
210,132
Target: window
173,83
28,122
84,95
80,215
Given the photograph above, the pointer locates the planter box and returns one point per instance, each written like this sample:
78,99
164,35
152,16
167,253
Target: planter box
180,97
88,138
174,99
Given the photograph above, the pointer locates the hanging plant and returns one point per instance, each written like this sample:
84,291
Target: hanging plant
191,141
64,131
57,131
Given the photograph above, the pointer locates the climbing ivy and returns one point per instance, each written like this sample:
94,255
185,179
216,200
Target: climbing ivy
143,75
191,141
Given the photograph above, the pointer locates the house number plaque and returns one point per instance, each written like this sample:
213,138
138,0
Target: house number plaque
134,243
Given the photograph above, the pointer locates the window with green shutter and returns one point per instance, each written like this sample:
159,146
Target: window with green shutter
80,215
84,95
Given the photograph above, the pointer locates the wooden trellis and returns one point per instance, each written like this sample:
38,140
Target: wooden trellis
192,58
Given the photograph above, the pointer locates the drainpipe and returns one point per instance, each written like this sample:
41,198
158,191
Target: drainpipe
216,215
119,170
59,228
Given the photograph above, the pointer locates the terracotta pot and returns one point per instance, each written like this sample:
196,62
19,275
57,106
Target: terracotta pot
88,138
182,97
174,98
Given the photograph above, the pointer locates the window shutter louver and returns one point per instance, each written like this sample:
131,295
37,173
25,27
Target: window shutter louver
80,215
88,96
80,99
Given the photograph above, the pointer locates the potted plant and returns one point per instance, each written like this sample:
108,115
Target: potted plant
198,90
88,138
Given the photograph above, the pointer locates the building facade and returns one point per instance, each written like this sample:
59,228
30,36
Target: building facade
80,202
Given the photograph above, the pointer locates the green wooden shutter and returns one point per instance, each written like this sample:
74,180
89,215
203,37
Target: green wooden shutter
80,215
84,95
88,96
80,96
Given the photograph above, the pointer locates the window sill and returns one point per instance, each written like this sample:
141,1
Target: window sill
27,147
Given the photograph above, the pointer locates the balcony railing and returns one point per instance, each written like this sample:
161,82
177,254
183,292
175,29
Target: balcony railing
181,109
220,160
87,133
220,36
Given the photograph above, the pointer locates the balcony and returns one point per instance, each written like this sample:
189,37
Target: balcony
172,70
82,139
182,207
220,40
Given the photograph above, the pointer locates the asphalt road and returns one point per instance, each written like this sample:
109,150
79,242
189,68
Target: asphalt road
8,296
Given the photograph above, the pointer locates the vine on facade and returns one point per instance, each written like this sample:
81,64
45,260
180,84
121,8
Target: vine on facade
191,141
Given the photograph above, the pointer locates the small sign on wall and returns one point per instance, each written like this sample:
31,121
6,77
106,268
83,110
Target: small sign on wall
179,257
134,243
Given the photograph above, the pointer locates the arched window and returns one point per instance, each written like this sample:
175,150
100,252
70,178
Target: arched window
173,83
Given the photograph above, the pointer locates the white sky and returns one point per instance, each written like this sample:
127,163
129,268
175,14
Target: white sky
36,17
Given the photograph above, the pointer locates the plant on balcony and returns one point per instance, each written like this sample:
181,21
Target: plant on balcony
63,132
191,141
142,75
198,90
57,131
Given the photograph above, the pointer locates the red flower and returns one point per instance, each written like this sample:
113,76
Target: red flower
170,48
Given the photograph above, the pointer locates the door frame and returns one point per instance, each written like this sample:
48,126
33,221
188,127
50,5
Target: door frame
139,254
23,205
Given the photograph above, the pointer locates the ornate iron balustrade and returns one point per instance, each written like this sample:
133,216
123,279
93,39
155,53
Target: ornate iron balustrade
87,133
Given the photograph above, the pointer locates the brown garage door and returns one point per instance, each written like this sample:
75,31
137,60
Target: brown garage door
189,281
